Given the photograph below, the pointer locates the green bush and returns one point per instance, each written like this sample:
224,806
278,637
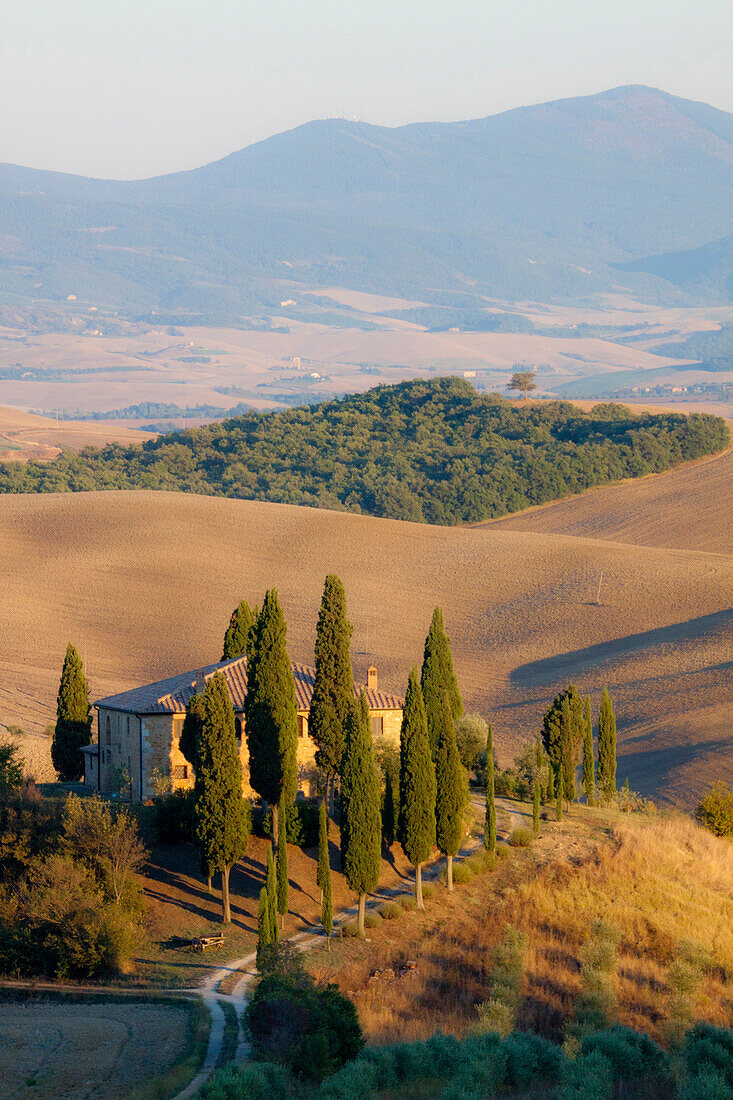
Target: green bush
587,1078
312,1031
407,902
503,851
350,929
254,1081
715,810
481,861
173,818
372,919
707,1085
462,874
520,838
709,1048
530,1060
427,891
390,910
301,822
382,1059
631,1054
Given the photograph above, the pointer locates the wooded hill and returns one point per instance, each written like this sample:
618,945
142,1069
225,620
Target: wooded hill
428,451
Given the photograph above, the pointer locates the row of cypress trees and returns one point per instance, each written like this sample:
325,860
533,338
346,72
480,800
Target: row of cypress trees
568,725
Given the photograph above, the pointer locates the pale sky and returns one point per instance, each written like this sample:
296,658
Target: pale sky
139,87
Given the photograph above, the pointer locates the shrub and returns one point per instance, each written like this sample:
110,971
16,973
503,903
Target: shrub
520,838
597,1005
350,930
709,1048
494,1016
708,1085
11,769
462,874
503,851
390,910
587,1078
254,1081
382,1059
427,891
301,822
531,1059
715,810
481,861
407,902
372,919
445,1053
174,818
631,1054
355,1081
313,1031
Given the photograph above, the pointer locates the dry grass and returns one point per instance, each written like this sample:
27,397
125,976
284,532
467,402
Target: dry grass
24,436
660,881
83,1050
144,584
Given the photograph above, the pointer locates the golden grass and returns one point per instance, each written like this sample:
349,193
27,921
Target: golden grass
660,881
144,584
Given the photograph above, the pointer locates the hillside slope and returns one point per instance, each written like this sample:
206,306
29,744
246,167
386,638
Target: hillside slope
144,584
534,203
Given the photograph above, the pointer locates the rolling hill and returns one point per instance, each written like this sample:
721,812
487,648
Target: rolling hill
144,584
536,203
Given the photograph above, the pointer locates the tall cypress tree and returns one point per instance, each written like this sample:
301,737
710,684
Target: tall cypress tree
452,791
239,632
73,727
417,784
323,874
191,730
221,818
589,764
270,710
550,784
361,847
606,747
438,678
536,808
282,866
333,687
539,767
263,926
490,822
568,750
560,797
562,734
271,887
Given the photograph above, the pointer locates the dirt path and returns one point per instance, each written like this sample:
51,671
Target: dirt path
212,997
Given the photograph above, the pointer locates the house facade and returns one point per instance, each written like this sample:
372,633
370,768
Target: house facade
138,731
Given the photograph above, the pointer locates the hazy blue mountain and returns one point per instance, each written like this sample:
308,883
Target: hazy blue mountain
560,200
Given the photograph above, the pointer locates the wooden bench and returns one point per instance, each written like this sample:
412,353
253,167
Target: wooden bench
200,943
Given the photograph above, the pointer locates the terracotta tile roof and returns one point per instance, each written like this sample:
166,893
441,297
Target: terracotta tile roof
170,696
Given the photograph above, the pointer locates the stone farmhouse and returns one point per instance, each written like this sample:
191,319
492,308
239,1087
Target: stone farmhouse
138,731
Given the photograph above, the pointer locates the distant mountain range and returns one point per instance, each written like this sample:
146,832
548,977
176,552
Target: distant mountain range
628,190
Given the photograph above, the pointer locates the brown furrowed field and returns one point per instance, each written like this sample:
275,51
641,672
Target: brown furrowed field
87,1050
659,881
144,584
25,437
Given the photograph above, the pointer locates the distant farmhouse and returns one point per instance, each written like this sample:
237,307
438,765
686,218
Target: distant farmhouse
139,730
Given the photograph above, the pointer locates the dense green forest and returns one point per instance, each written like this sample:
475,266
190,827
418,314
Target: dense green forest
436,452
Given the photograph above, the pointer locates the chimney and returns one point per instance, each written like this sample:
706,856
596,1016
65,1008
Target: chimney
372,680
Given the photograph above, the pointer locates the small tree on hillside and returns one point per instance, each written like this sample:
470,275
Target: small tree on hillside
560,795
361,847
589,764
452,792
221,817
490,822
562,734
264,929
73,727
523,381
471,739
282,866
271,714
536,808
568,749
417,784
239,632
606,747
333,687
271,887
438,678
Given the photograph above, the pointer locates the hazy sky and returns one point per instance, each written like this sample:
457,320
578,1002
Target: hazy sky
138,87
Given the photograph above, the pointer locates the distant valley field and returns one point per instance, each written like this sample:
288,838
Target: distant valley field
144,584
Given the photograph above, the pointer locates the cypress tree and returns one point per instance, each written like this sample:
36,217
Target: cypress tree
550,784
221,820
323,874
333,687
589,766
270,710
282,866
263,926
271,887
417,784
490,822
539,767
562,734
73,727
560,793
191,730
388,812
606,747
237,637
361,848
568,750
437,679
452,790
536,808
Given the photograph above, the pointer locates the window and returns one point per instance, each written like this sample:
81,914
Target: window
238,728
302,725
108,732
179,771
377,723
128,727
